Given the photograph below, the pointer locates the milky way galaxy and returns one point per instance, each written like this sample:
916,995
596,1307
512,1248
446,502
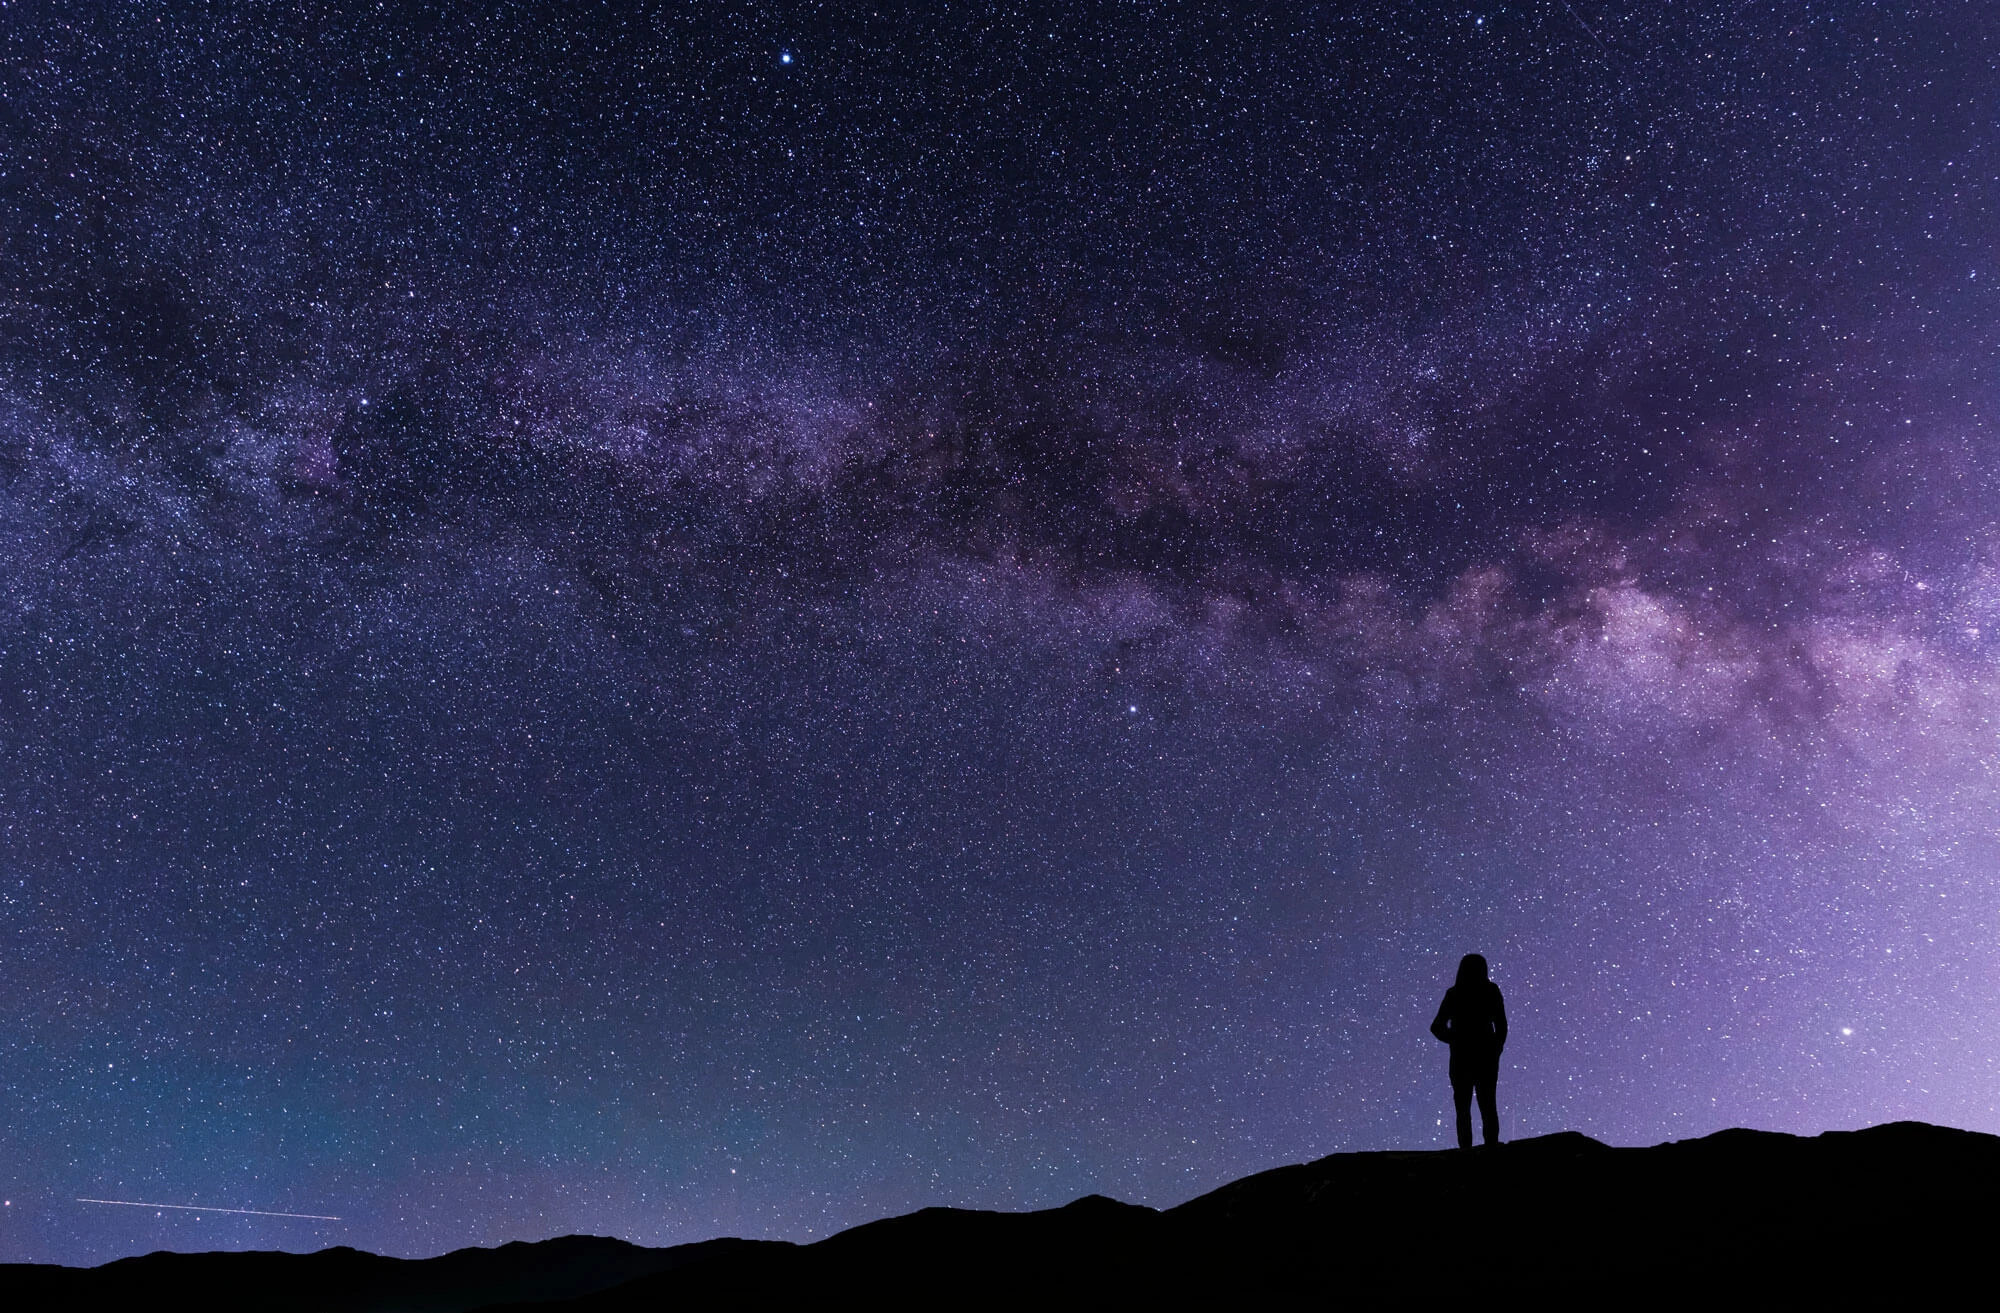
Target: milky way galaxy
668,621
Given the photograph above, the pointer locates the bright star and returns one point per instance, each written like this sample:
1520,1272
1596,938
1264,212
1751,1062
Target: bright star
784,56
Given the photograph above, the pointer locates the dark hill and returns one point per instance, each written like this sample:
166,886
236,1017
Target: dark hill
1896,1213
344,1280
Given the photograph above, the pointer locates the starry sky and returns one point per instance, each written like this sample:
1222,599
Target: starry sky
676,620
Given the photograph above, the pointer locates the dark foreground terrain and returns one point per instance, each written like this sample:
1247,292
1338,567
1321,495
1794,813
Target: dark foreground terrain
1892,1213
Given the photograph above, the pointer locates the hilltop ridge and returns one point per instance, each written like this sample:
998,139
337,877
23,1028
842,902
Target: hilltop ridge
1887,1212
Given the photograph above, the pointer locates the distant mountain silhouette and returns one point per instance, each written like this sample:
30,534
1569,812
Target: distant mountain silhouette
1888,1214
344,1280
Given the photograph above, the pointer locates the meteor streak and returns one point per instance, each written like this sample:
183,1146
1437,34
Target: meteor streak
197,1208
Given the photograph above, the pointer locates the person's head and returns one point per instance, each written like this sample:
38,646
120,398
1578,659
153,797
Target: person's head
1471,969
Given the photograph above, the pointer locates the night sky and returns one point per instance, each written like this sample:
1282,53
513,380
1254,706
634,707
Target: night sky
672,621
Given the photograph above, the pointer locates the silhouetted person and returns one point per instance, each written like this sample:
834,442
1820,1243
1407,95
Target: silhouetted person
1473,1020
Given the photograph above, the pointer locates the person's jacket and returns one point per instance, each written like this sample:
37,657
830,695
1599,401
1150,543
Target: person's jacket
1472,1019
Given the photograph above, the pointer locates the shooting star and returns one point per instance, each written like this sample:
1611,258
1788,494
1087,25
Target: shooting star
1586,27
197,1208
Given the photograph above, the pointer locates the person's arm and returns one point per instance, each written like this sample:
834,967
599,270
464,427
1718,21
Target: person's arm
1499,1020
1441,1024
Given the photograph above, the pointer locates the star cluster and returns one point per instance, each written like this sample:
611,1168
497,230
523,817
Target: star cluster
668,621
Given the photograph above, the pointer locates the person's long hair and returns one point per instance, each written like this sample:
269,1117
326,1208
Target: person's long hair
1472,970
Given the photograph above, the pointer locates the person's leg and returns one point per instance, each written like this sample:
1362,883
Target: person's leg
1461,1098
1489,1114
